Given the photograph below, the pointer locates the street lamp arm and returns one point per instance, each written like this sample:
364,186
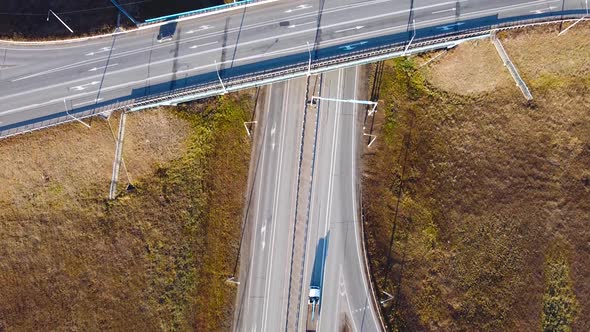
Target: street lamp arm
62,22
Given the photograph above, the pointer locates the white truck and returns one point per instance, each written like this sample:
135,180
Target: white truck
313,308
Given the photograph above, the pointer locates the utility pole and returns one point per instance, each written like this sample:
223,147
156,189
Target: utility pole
372,138
219,76
122,10
73,117
389,298
309,62
62,22
571,26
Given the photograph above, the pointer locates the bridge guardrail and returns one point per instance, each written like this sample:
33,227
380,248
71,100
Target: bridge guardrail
351,56
212,88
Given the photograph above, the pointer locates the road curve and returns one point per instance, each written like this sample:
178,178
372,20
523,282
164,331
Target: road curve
40,83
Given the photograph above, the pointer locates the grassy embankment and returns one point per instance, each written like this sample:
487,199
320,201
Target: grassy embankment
154,259
492,228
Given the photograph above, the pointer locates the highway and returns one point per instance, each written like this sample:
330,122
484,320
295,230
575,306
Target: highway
334,253
39,83
262,299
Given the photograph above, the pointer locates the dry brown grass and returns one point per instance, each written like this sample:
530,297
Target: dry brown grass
491,184
153,137
473,68
155,259
49,166
57,266
61,163
556,61
58,270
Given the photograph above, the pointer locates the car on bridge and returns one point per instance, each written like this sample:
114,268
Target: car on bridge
166,32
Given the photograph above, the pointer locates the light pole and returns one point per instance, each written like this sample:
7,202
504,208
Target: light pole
73,117
413,36
62,22
389,298
571,26
309,62
219,76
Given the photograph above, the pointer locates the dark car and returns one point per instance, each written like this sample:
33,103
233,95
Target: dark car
166,32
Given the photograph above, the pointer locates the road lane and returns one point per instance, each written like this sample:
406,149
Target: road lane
264,304
334,230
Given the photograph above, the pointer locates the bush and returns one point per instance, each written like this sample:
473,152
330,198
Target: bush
560,306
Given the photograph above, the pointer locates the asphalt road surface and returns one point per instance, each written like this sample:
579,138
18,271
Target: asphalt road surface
262,301
41,82
334,258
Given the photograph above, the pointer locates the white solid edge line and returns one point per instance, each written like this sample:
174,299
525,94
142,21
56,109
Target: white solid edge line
109,88
423,23
247,43
274,219
333,155
250,270
315,71
357,241
148,26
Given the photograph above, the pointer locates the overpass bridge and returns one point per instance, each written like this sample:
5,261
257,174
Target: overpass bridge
44,84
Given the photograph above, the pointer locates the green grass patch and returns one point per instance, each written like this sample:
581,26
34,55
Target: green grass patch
560,306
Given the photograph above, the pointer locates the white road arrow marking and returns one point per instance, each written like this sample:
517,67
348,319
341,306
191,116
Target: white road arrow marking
341,286
358,27
541,11
272,134
445,10
104,49
103,67
450,26
84,86
351,47
262,231
300,24
195,46
201,28
88,102
300,7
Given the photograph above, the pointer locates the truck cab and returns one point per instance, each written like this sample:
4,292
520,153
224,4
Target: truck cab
314,295
313,308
